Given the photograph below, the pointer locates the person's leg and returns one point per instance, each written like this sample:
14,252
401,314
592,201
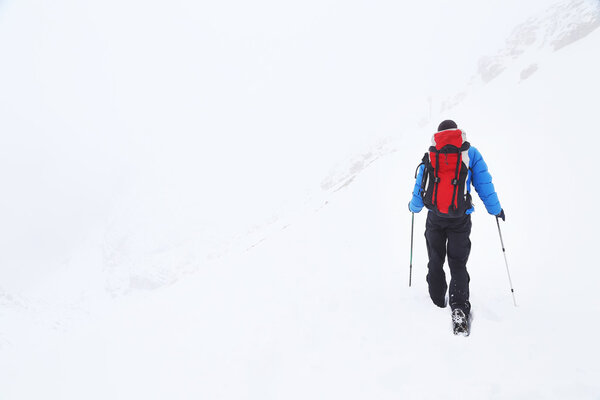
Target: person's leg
435,238
459,247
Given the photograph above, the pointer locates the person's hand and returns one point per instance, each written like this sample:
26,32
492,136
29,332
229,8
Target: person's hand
501,215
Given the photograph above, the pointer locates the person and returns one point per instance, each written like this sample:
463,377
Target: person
450,167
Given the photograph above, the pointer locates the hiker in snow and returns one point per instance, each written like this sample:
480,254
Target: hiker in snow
443,185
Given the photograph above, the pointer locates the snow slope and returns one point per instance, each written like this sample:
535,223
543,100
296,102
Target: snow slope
315,303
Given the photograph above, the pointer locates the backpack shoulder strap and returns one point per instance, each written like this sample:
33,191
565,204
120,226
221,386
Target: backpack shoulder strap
427,165
424,161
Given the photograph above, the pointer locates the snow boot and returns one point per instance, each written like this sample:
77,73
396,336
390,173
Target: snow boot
440,302
460,322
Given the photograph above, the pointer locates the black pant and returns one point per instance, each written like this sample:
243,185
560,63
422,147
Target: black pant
451,234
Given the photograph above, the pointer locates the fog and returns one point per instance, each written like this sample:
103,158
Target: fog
198,120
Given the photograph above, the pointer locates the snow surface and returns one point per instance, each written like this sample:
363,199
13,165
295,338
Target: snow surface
173,227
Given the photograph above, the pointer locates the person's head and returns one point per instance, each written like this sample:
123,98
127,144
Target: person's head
447,124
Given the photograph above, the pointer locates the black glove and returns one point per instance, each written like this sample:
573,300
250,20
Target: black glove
501,215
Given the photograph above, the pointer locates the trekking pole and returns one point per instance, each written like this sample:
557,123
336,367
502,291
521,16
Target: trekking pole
512,291
412,229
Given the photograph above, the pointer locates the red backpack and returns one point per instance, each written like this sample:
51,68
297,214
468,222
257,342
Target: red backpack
443,186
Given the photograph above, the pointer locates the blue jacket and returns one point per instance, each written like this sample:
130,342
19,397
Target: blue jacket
478,175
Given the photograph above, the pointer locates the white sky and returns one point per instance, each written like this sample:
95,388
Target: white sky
216,111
